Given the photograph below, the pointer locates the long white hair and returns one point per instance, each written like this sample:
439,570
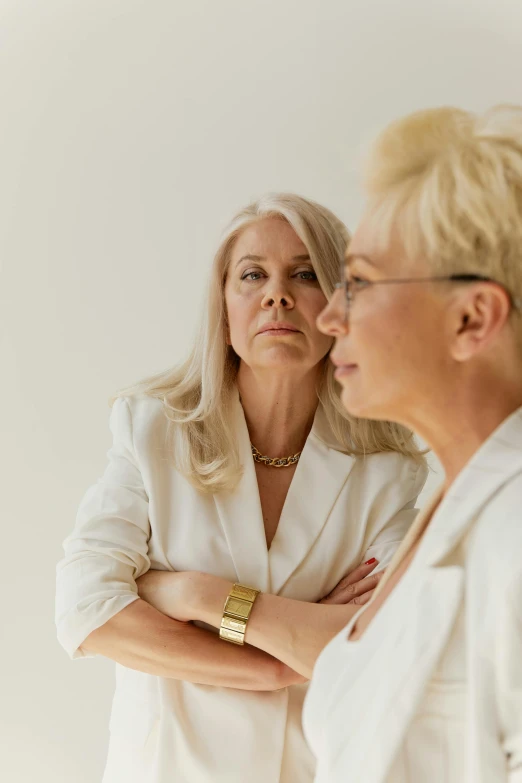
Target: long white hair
197,394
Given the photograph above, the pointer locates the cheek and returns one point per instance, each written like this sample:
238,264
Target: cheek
386,320
397,348
240,311
314,304
375,333
311,308
397,345
236,307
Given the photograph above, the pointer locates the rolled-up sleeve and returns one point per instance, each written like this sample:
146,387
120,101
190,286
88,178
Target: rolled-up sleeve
108,547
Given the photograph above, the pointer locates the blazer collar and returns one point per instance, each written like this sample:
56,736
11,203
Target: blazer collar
319,477
493,465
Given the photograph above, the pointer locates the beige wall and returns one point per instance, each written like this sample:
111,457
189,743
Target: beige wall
130,132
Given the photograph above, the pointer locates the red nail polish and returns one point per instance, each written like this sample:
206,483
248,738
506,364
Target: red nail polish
369,562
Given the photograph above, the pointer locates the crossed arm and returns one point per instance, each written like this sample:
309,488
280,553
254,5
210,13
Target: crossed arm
155,633
142,638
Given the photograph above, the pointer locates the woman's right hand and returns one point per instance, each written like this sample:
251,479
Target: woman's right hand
356,587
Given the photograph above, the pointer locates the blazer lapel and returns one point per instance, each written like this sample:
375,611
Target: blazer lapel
492,466
320,475
498,459
241,515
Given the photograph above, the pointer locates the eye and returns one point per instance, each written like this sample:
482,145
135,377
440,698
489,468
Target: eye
253,276
307,274
358,282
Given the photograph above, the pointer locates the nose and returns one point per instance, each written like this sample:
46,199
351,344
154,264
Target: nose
333,320
277,295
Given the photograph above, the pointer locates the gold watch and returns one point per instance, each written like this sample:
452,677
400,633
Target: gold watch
237,610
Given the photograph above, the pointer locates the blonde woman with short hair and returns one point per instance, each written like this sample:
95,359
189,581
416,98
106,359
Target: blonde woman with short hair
425,683
241,466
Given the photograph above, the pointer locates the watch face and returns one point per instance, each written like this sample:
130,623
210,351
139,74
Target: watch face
238,606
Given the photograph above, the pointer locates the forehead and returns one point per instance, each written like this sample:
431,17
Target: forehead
268,238
383,251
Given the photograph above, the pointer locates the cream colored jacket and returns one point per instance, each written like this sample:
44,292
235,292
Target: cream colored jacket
143,514
432,691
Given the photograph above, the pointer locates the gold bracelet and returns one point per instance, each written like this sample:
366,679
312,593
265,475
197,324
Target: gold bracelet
237,610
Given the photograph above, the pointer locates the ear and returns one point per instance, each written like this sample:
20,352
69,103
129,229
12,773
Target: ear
481,313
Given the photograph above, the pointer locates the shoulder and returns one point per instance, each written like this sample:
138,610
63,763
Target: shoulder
142,407
375,469
391,467
140,418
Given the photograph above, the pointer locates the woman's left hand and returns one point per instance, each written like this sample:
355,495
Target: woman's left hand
356,587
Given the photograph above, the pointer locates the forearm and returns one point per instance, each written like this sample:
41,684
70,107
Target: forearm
140,637
295,632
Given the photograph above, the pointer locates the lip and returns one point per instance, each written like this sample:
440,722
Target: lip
343,368
279,327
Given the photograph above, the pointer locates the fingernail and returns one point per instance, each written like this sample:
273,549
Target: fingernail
369,562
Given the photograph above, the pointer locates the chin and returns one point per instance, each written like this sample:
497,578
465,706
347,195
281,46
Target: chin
282,356
361,406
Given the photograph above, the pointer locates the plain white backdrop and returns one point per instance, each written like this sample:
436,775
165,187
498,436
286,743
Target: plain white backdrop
130,132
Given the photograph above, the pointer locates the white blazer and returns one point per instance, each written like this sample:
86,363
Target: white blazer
143,514
432,691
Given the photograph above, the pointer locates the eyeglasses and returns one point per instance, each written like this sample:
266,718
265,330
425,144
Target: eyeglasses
354,285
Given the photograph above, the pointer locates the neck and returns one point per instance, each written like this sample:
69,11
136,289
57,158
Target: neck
458,424
279,408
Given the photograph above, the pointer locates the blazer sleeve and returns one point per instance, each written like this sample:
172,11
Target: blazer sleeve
108,547
394,509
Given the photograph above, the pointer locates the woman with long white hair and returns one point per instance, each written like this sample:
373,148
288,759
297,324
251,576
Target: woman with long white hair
240,464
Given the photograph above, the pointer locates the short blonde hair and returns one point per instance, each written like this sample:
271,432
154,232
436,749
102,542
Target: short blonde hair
197,394
449,182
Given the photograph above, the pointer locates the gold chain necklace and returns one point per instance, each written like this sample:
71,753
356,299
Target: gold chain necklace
276,462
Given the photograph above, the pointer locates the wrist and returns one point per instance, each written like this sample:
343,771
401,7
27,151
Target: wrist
205,595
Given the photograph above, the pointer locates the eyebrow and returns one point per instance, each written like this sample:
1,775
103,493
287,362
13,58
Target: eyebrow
351,257
250,257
